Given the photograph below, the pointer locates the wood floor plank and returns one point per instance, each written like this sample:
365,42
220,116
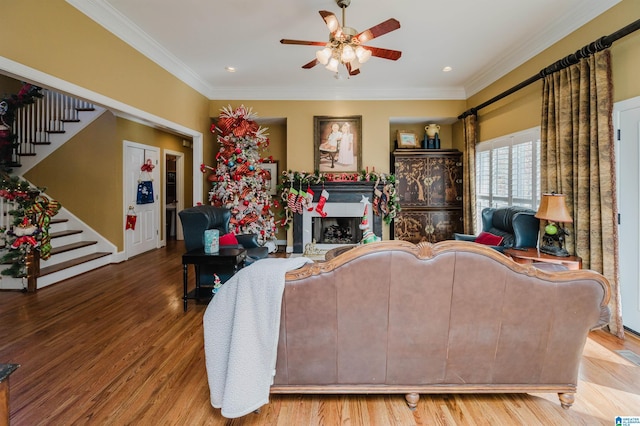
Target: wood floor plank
114,347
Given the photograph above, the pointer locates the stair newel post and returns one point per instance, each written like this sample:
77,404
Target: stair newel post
32,264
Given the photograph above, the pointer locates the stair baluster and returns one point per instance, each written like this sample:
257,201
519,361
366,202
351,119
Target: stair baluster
77,249
35,122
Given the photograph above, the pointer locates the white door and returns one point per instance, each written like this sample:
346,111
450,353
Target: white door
627,118
146,234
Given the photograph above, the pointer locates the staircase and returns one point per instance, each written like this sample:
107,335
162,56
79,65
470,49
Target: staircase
42,128
76,249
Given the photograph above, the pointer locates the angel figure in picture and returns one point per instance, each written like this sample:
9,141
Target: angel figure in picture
345,156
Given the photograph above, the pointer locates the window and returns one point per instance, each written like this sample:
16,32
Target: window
508,171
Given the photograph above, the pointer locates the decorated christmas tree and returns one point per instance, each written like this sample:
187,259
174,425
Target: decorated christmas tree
238,180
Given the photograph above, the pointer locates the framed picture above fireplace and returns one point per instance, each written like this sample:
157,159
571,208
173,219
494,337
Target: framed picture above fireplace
337,144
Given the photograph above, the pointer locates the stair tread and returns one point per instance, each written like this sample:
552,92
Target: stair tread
64,233
72,246
58,221
73,262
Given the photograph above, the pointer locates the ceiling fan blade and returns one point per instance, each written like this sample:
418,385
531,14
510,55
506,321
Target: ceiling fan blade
379,52
378,30
310,64
330,19
352,71
303,42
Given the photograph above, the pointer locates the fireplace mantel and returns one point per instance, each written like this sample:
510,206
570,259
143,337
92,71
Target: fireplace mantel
339,192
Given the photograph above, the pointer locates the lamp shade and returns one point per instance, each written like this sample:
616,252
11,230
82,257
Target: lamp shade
323,55
332,65
553,208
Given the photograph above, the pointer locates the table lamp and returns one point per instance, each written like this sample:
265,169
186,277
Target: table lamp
554,210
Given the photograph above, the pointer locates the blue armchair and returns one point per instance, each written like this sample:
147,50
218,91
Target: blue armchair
195,220
517,226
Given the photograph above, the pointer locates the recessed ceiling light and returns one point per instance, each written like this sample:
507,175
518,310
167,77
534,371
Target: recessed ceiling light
230,69
446,69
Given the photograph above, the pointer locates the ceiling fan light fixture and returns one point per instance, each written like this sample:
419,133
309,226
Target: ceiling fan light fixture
348,54
323,55
333,65
363,54
345,43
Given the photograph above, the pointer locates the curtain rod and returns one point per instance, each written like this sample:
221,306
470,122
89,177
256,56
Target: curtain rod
591,48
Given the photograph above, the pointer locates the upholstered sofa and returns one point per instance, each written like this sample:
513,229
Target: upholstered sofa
453,317
517,226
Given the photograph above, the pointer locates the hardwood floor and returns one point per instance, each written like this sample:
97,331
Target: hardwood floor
113,346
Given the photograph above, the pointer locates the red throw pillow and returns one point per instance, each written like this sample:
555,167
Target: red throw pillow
228,240
488,238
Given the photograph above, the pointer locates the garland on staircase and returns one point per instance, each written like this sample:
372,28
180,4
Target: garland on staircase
29,230
9,105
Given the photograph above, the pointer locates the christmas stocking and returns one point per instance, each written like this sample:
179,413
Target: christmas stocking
291,199
324,196
309,203
299,200
303,200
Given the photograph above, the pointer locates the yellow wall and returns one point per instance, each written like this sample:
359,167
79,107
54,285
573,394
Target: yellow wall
78,176
55,38
136,132
377,119
522,109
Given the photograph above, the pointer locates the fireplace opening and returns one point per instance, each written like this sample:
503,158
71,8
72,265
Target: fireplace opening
336,230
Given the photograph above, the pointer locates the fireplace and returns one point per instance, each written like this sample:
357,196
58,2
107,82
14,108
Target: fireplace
336,230
344,213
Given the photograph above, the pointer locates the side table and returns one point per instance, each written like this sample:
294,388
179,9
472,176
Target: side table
227,260
5,372
531,255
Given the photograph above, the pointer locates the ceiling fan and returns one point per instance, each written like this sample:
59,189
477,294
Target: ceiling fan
346,46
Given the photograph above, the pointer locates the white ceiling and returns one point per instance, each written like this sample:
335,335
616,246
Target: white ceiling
480,39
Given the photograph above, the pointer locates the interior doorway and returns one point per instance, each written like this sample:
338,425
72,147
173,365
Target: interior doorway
173,193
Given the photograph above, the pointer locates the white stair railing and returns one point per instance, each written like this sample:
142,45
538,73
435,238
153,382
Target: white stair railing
6,220
35,122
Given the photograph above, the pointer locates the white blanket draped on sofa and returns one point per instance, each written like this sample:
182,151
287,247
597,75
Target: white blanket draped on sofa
241,327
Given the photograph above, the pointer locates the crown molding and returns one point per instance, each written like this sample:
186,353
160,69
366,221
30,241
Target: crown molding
339,93
553,32
113,21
